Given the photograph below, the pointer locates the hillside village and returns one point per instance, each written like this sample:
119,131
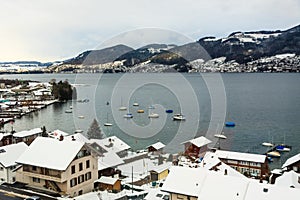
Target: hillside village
72,166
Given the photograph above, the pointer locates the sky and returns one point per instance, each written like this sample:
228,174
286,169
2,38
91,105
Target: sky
53,30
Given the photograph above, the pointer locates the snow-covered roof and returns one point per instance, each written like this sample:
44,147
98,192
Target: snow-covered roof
57,133
291,160
184,180
27,133
199,141
109,159
78,137
50,153
161,168
107,180
10,153
216,186
288,179
156,194
112,143
261,191
157,145
241,156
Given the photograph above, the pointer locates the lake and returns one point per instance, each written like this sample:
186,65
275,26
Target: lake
265,108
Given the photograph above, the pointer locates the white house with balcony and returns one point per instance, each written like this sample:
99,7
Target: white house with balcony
8,156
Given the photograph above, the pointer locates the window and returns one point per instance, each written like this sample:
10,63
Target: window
88,176
80,166
73,169
88,164
1,168
73,182
80,192
33,168
36,180
2,179
13,179
80,178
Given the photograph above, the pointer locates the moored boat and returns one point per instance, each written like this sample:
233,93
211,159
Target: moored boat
273,154
229,124
153,115
178,117
128,115
169,111
140,111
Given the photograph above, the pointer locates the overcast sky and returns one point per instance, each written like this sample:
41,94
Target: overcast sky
49,30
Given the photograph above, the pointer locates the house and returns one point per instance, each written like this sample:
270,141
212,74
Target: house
254,165
67,167
6,138
159,172
289,179
8,155
156,148
107,164
293,163
197,147
113,144
108,183
27,136
196,183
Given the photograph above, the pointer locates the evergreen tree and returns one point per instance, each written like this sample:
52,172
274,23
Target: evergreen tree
62,90
94,131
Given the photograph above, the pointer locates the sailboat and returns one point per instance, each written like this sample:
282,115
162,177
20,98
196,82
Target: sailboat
283,147
153,115
107,123
122,108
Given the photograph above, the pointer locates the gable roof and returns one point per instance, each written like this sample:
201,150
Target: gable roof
241,156
291,160
107,180
27,133
50,153
10,153
109,159
199,141
157,145
183,180
112,143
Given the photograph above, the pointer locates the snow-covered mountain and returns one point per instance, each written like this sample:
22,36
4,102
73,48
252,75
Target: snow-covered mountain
238,52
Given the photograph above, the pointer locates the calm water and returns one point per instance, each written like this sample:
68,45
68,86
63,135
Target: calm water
265,107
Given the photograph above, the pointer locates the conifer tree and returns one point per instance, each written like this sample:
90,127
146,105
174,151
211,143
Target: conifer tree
94,131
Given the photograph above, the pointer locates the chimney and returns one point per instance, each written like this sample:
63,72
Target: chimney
61,138
225,172
73,138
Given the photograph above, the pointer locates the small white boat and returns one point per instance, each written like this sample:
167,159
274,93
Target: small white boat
107,124
220,136
267,144
78,131
81,117
153,115
178,117
135,104
122,108
128,115
71,107
68,111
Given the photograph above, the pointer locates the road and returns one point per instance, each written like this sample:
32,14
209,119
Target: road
4,195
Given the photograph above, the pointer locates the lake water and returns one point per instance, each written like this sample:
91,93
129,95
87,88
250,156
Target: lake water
265,108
